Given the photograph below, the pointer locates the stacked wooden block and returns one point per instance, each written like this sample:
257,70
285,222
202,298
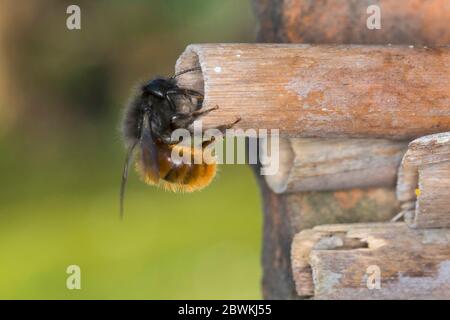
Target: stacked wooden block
392,260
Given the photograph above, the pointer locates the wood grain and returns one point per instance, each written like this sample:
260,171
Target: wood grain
426,167
417,22
407,22
317,164
331,261
288,213
392,92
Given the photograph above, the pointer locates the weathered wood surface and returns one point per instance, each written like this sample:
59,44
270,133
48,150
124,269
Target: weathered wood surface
315,164
300,21
332,261
417,22
425,170
288,213
392,92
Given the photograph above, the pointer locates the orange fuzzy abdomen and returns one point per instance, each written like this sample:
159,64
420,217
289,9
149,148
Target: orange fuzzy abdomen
184,177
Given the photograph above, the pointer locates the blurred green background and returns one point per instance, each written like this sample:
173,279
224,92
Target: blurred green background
61,98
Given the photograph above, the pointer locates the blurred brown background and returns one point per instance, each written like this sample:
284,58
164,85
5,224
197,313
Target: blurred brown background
61,96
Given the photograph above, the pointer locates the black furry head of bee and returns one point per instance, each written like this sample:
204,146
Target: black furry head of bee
167,106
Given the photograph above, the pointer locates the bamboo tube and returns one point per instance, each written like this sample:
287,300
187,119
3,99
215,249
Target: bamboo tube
394,92
317,164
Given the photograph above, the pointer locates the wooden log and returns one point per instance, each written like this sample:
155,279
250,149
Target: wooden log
337,261
316,164
392,92
424,182
416,22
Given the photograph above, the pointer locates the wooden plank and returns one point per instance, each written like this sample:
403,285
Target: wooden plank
425,171
316,164
392,92
336,262
433,204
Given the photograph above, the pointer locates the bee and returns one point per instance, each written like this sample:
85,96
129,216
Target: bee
158,108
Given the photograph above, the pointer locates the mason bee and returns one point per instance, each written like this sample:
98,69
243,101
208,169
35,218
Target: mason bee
158,108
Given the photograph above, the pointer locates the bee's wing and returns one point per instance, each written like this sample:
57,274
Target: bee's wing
149,160
149,153
123,184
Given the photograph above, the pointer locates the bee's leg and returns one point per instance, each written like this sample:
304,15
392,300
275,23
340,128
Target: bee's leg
171,102
188,93
224,127
168,140
208,142
199,113
200,97
199,104
183,120
221,128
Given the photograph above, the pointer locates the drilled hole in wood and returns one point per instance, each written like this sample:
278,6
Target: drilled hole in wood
340,241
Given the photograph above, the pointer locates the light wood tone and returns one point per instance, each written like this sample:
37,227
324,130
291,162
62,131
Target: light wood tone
328,91
316,164
426,168
331,261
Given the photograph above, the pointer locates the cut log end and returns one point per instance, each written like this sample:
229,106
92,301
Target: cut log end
309,164
193,79
423,182
279,182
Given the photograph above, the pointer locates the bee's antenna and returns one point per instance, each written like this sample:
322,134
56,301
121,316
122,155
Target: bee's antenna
185,71
125,176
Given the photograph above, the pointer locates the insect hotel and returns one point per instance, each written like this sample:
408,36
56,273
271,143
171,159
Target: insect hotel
360,205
